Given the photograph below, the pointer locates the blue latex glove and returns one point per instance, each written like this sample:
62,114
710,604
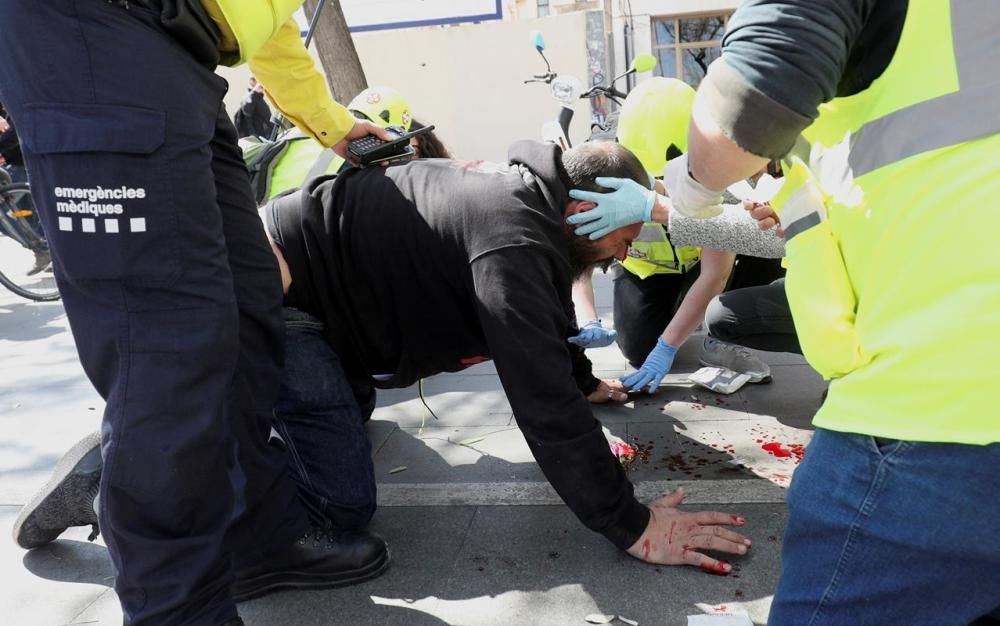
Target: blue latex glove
629,203
594,335
655,367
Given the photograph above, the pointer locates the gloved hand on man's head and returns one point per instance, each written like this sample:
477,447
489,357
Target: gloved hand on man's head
629,203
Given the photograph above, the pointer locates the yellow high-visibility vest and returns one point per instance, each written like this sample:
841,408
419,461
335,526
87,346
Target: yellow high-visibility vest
303,160
891,226
652,253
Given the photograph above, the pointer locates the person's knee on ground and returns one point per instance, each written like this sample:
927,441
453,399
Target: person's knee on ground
320,421
719,321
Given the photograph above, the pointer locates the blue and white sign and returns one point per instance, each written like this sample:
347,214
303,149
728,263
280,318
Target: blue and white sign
362,15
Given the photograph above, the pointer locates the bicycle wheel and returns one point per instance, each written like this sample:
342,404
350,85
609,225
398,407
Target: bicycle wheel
25,264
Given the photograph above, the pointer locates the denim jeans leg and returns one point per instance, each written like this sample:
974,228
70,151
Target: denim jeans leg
318,417
890,532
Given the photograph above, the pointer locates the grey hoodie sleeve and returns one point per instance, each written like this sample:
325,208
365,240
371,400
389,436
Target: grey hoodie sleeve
734,230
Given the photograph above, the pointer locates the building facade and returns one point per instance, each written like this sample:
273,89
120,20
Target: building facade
684,35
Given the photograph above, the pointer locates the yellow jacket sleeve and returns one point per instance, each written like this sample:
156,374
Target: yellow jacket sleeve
294,84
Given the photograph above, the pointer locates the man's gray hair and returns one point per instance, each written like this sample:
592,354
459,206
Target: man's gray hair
588,161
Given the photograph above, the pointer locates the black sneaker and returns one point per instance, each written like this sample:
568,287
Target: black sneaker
67,499
319,559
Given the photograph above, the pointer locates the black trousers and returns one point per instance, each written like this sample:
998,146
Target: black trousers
644,307
755,317
172,293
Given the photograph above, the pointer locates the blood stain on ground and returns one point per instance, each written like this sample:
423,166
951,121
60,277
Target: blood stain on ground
779,450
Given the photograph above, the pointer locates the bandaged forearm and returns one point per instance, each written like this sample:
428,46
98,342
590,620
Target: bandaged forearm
734,230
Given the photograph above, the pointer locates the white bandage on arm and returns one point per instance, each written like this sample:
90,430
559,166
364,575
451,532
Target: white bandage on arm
733,230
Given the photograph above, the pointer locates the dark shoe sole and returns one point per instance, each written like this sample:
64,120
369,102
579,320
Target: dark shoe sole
248,589
70,488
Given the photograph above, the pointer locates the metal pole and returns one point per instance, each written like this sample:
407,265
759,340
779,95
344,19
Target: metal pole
313,22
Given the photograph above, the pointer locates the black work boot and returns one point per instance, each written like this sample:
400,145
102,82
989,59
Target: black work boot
67,499
319,559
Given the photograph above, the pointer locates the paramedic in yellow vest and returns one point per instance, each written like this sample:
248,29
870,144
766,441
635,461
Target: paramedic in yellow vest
890,221
172,292
307,158
661,290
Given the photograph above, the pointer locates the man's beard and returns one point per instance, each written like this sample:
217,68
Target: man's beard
583,255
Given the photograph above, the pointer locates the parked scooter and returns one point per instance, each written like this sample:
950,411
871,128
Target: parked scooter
566,89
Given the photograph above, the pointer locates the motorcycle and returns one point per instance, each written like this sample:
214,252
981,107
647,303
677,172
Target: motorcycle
566,89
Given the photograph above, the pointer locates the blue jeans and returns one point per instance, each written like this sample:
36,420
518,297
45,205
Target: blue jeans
321,417
890,532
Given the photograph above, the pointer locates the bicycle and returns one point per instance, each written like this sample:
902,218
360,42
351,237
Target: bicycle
25,264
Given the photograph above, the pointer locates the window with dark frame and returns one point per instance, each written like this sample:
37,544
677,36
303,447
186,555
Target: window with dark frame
685,46
543,8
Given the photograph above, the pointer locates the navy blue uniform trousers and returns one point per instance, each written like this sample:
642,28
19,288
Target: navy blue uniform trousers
171,290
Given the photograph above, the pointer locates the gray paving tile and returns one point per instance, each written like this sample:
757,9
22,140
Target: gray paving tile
54,584
754,447
668,450
390,397
455,400
378,433
437,455
792,397
780,358
104,611
675,399
538,565
608,359
424,543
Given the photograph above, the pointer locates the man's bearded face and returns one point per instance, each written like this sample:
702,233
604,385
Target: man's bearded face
584,254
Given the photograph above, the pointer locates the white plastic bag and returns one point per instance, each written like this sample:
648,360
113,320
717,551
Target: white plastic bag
719,379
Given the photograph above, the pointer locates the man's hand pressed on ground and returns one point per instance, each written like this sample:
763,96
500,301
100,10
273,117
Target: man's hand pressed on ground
675,537
608,391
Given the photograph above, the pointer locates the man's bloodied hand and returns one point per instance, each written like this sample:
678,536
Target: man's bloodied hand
676,537
608,391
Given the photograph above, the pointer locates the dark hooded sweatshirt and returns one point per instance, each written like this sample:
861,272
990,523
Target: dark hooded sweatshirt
434,265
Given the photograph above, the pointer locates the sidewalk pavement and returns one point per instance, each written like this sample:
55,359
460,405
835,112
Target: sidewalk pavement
477,535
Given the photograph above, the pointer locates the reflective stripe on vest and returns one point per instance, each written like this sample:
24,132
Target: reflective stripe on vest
967,114
653,253
898,174
964,115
